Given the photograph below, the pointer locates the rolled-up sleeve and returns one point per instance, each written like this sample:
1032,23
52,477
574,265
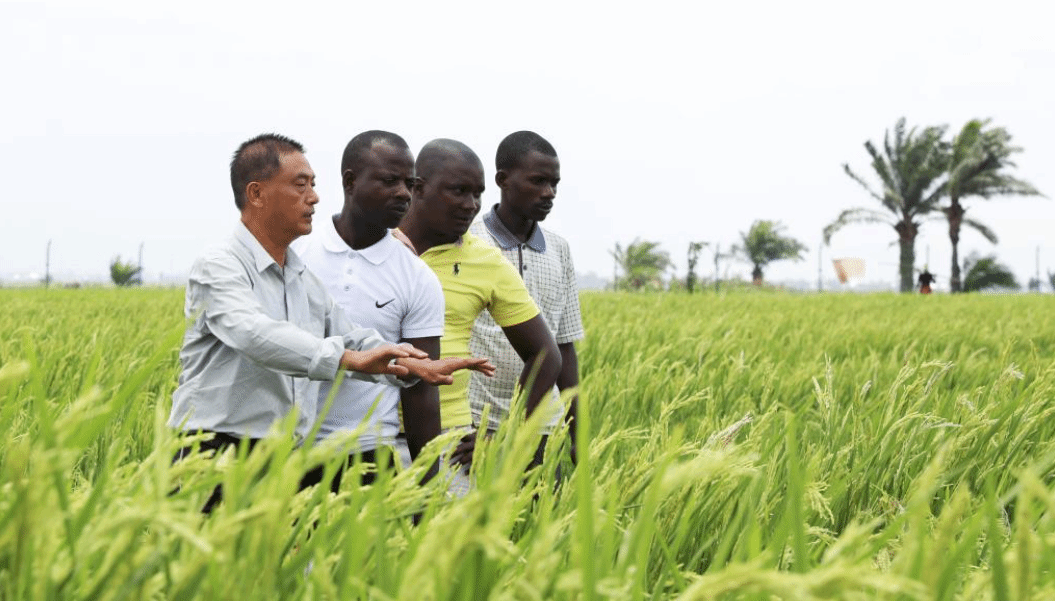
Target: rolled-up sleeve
221,290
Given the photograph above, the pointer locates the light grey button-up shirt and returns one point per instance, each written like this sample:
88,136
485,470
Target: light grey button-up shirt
258,338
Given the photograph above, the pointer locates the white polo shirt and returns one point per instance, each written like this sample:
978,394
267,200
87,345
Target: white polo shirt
385,287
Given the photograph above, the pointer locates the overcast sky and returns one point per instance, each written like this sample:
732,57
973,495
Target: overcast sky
674,121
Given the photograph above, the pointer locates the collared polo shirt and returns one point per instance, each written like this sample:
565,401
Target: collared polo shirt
475,277
545,264
258,335
384,287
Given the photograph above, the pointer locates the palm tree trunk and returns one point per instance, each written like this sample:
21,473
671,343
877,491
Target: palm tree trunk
906,231
954,213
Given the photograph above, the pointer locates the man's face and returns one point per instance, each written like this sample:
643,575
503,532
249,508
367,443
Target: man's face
289,197
528,189
451,195
380,191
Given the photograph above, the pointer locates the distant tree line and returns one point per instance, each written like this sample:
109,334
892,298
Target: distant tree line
924,175
641,265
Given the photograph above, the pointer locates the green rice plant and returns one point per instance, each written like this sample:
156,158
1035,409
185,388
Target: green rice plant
739,446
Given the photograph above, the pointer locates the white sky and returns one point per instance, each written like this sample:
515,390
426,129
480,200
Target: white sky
674,121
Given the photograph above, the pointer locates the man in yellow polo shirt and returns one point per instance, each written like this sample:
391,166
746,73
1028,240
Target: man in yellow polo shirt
475,277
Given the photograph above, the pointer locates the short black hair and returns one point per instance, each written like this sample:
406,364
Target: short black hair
360,144
519,144
257,159
437,152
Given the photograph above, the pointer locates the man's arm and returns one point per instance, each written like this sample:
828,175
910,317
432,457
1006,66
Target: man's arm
220,289
421,403
534,343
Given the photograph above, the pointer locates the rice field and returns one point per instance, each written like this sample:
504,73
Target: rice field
743,446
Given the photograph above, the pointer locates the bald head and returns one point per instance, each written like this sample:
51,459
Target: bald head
441,153
446,195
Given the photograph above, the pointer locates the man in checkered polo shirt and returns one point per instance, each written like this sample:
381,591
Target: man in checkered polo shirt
527,175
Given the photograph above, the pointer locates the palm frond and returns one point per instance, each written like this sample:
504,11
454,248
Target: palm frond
854,216
864,184
982,229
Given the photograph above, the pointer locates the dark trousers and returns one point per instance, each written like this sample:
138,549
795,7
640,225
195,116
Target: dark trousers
315,475
214,445
221,441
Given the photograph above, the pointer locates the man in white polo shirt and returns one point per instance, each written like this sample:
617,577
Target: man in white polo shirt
527,175
382,285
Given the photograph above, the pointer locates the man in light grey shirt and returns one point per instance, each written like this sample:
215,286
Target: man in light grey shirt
262,337
263,330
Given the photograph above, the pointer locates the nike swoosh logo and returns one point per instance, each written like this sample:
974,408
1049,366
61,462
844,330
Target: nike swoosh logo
381,305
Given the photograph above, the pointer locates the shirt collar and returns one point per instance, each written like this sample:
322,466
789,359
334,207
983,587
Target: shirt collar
505,239
261,258
376,253
466,239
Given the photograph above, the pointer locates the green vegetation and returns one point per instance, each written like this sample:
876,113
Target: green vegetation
743,446
978,166
908,169
764,243
917,168
643,265
692,258
124,274
985,273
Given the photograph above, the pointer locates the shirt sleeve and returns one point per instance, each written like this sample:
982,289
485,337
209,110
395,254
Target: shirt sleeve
511,304
221,291
570,327
424,316
356,338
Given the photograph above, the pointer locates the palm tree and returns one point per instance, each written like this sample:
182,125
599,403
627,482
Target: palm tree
642,264
764,243
985,272
977,166
124,274
692,259
908,168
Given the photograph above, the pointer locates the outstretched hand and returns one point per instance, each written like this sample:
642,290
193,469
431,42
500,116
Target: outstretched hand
379,360
480,364
439,372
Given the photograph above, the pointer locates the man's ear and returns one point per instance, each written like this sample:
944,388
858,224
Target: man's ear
254,194
348,180
500,177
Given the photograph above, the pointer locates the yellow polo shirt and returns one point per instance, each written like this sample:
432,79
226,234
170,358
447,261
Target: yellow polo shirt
475,276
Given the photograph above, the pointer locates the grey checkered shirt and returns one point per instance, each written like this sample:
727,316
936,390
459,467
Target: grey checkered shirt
546,265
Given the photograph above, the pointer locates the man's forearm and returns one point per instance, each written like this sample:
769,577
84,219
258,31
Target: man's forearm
421,415
544,379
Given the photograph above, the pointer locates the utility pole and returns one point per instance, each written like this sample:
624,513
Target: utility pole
820,285
717,255
47,266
